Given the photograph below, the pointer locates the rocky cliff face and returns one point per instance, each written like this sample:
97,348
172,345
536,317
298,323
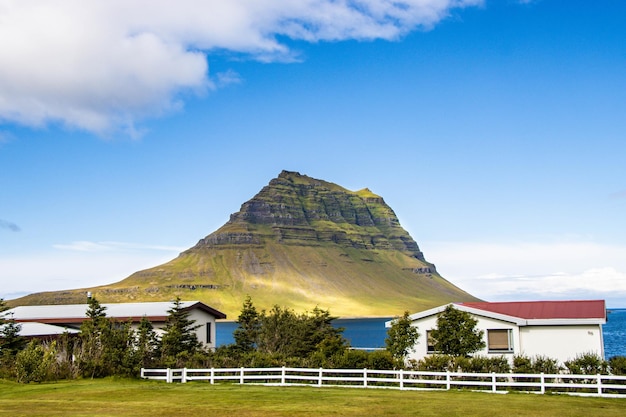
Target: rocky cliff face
295,209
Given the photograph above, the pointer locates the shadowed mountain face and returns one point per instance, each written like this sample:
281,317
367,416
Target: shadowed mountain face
297,210
300,243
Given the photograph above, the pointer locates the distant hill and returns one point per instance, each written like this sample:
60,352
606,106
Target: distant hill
299,243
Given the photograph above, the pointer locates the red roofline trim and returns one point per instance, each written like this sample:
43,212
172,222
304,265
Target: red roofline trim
544,310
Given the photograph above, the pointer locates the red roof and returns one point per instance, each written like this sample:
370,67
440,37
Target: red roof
587,309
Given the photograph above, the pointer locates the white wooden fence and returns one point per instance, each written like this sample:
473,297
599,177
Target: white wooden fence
587,385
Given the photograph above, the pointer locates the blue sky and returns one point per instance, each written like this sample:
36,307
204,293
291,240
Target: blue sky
495,129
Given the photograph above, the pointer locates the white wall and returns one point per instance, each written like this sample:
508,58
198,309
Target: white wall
420,349
561,342
204,319
201,318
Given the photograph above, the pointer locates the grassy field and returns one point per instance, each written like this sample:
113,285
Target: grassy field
111,397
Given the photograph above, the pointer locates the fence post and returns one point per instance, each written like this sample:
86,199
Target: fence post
448,380
599,384
241,376
282,376
543,383
168,376
494,387
401,378
183,376
365,377
212,376
319,382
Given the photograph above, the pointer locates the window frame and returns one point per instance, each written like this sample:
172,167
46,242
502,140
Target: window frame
510,344
209,339
430,346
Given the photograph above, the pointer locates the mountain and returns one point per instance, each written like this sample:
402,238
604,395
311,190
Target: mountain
299,243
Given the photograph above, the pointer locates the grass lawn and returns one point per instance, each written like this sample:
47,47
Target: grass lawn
115,397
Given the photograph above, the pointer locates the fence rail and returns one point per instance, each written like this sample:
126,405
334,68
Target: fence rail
587,385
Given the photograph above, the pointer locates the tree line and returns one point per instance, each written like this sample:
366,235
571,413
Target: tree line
278,337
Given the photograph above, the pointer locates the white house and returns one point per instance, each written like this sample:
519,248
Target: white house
70,317
560,330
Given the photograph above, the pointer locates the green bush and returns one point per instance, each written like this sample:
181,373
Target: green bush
381,359
546,365
36,363
354,359
436,363
535,365
587,364
483,364
7,365
349,359
617,365
522,365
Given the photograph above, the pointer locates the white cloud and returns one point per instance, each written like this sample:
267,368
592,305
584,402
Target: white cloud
100,65
225,78
532,270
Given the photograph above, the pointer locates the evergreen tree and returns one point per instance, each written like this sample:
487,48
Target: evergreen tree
321,335
146,344
456,333
119,350
179,334
401,337
93,332
10,340
106,346
249,322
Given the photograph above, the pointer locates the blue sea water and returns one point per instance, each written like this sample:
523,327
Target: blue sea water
361,333
615,333
371,332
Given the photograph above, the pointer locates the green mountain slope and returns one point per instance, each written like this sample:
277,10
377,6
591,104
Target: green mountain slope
300,242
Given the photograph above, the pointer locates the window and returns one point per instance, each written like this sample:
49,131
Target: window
430,342
500,340
208,333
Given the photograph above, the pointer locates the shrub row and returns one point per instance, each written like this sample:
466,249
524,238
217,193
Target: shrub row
584,364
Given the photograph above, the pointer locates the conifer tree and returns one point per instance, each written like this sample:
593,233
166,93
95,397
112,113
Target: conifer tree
179,333
10,340
147,344
106,347
246,335
93,331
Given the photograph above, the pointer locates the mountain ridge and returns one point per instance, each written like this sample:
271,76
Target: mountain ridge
300,242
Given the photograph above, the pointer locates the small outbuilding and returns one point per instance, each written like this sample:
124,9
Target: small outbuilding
559,330
59,318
